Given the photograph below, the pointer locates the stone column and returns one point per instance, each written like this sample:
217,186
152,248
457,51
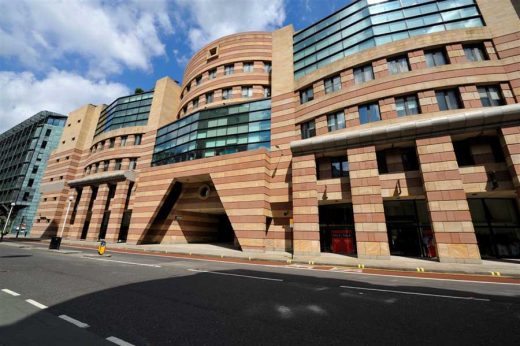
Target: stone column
449,211
511,144
367,202
117,208
97,212
306,232
81,214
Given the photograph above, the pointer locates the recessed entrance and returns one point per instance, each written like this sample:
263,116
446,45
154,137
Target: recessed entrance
337,229
497,226
409,230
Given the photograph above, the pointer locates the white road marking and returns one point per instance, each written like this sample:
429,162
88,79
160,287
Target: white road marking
118,341
74,321
229,274
13,293
415,293
124,262
35,303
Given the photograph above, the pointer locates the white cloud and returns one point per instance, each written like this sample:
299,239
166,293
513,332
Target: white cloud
109,35
24,95
210,20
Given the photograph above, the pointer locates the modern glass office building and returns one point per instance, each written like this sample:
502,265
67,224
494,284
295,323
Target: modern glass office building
24,152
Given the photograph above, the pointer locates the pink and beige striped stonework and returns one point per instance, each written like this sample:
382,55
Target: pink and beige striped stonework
261,191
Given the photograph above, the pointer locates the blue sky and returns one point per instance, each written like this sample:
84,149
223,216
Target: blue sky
58,55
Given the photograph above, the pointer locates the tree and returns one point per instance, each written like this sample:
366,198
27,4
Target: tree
138,91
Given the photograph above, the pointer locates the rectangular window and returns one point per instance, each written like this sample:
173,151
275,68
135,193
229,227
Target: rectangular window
137,139
209,97
195,102
306,95
363,74
48,132
198,80
398,65
336,121
490,96
267,92
212,74
30,183
463,153
369,113
409,159
44,145
229,69
248,67
308,129
267,67
435,57
226,93
475,52
448,99
247,91
105,165
339,167
118,164
407,105
332,84
112,142
123,140
133,164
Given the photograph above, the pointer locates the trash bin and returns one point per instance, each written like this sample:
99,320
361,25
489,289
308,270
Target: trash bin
55,243
102,247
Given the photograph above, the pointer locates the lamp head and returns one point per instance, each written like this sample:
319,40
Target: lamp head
71,198
13,204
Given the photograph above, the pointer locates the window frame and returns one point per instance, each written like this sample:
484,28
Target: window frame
407,109
490,101
431,55
308,131
395,64
369,107
457,98
361,71
334,123
332,84
304,95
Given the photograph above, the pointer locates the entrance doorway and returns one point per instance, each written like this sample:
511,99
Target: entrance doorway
409,230
337,229
225,232
497,226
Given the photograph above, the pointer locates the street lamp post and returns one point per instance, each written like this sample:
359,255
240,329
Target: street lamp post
71,198
56,241
7,221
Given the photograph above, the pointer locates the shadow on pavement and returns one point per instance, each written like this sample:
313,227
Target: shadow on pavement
223,308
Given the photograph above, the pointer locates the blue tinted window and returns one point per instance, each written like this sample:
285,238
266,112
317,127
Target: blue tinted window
369,113
362,26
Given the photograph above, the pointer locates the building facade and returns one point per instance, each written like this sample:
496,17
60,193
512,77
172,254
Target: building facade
386,128
24,152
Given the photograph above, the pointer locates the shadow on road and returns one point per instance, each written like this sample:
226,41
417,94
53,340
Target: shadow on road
224,307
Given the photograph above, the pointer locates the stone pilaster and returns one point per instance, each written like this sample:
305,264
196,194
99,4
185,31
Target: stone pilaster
81,214
97,212
449,211
369,215
117,208
306,233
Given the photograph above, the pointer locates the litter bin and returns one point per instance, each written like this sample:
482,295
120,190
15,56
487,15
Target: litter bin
55,243
101,248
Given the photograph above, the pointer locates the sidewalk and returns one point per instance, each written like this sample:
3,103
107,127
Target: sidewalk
218,251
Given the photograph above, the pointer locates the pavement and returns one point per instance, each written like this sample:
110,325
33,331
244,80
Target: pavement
71,297
494,268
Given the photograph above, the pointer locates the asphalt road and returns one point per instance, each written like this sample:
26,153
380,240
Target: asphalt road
82,299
